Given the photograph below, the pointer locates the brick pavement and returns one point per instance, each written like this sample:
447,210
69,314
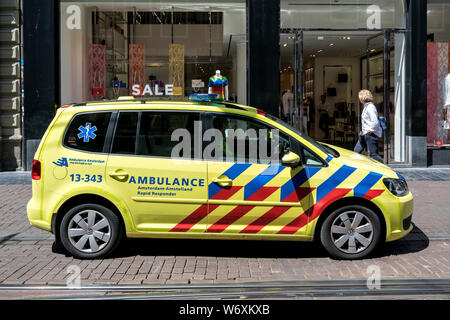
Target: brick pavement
26,256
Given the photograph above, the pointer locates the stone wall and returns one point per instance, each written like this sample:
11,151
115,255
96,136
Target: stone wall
10,86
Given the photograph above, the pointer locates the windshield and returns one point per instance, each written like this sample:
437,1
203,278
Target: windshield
316,144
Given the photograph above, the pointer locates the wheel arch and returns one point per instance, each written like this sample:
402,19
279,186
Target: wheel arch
345,202
80,199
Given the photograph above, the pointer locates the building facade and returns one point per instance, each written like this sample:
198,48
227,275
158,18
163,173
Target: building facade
303,61
10,86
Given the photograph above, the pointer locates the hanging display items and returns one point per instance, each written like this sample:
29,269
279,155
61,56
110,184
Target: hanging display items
137,67
176,68
97,71
218,84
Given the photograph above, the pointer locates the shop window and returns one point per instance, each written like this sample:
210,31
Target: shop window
87,132
375,14
438,81
112,49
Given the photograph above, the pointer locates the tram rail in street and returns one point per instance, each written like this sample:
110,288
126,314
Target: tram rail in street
388,289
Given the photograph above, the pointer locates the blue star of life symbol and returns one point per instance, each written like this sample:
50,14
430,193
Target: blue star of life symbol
61,162
87,132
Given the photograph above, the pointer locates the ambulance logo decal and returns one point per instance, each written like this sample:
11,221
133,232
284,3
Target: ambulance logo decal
87,132
61,162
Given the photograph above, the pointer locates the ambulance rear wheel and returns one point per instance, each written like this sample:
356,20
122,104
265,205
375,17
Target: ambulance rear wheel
90,231
351,232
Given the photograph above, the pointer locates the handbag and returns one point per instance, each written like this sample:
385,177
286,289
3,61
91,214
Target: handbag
382,121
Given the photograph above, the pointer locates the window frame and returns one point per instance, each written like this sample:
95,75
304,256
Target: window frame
295,145
138,127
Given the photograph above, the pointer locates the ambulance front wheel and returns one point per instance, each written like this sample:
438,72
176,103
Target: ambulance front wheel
90,231
351,232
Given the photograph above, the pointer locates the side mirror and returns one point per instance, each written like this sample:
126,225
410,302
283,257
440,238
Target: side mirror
290,159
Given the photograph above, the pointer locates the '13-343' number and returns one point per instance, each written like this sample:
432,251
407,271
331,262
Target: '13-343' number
86,178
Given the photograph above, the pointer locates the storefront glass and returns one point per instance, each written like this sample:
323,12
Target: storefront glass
438,77
151,48
338,49
350,14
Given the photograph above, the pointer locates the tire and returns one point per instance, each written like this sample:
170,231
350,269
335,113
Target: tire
354,239
95,231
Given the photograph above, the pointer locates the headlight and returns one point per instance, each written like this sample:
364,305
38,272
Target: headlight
397,187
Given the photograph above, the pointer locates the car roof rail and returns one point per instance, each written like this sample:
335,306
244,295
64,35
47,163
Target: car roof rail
227,104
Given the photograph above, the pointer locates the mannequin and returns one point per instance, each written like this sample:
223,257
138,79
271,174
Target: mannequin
218,84
288,105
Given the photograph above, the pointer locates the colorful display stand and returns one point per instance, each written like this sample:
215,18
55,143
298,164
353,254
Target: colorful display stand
97,71
137,66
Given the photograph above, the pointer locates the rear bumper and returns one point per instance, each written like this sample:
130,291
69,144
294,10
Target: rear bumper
34,215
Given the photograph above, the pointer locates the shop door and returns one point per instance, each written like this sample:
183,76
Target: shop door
378,81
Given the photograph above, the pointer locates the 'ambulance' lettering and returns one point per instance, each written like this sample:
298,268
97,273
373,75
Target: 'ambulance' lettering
167,181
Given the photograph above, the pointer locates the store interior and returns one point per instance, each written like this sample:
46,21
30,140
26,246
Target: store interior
118,45
334,70
122,44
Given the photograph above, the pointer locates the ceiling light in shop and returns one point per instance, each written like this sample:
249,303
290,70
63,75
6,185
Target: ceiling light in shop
319,51
285,45
331,45
320,38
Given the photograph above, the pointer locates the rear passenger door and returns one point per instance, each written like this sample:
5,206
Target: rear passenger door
160,191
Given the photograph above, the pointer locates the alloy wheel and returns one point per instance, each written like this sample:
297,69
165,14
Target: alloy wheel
89,231
352,232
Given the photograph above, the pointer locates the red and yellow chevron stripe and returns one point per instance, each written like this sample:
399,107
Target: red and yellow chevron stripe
313,200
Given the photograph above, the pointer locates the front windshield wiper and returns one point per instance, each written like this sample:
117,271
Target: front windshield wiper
331,151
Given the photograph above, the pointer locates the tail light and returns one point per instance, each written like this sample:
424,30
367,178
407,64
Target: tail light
36,170
259,111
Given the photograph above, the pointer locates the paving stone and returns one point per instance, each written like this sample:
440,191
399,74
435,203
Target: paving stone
425,253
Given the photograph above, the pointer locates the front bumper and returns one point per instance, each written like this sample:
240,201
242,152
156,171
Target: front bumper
398,213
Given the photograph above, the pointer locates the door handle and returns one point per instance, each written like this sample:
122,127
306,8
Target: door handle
223,181
119,175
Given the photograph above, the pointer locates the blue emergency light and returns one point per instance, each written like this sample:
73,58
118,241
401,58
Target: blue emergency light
203,96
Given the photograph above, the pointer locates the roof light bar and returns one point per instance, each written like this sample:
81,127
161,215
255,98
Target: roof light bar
203,97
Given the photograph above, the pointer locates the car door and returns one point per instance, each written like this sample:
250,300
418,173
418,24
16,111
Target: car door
159,190
247,196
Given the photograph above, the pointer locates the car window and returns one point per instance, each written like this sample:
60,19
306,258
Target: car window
87,131
310,159
251,137
124,141
156,128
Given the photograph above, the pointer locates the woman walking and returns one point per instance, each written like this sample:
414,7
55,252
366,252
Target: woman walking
370,126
